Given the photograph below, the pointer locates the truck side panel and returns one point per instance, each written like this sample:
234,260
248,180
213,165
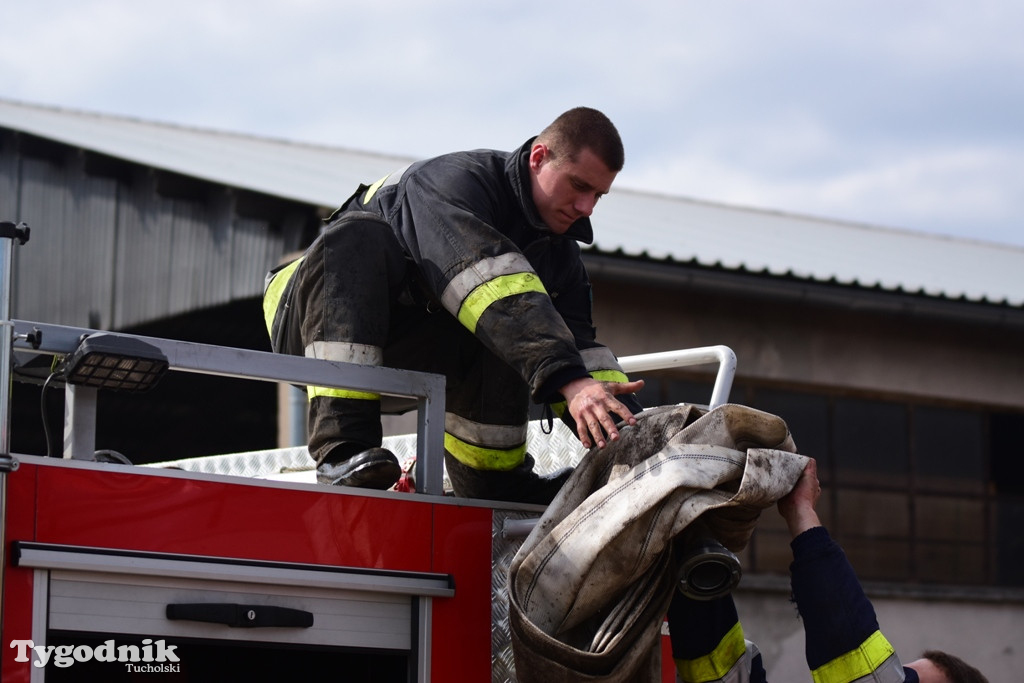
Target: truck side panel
67,504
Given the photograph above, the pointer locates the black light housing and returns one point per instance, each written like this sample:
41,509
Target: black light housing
114,362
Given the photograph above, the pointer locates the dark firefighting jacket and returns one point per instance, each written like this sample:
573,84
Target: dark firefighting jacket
468,222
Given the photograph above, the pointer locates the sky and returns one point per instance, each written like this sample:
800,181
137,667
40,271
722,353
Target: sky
903,114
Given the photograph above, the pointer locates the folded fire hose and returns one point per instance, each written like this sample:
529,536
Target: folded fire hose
589,588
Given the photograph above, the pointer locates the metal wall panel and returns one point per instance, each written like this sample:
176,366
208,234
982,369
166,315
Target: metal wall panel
64,268
119,250
254,249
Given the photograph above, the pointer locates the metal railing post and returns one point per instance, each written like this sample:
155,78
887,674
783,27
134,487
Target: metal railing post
80,422
9,232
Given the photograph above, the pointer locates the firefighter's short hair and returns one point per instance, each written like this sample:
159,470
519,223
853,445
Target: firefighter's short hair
585,128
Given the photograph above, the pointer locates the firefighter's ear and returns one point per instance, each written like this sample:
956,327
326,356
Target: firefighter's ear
539,153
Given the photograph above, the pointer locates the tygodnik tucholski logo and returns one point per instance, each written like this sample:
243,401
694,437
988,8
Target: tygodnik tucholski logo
151,656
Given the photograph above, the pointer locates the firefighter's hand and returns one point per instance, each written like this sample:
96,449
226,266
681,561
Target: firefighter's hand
798,506
592,405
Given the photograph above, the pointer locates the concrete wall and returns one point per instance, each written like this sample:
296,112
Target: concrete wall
792,342
984,634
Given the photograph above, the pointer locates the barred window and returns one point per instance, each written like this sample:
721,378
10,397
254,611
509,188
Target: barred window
915,492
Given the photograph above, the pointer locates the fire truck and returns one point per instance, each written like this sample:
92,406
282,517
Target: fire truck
240,566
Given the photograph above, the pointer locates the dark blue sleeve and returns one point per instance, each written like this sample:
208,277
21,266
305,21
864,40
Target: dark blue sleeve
837,616
843,641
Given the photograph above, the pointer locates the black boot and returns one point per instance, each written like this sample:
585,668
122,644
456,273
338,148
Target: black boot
519,485
374,468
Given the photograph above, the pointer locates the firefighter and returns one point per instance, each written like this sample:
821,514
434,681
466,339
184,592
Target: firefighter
843,640
467,265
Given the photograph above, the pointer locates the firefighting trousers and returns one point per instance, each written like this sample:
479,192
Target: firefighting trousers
354,297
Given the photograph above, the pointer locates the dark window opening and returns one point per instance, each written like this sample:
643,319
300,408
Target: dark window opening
1007,448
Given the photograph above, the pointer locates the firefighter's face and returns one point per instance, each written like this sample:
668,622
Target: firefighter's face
566,189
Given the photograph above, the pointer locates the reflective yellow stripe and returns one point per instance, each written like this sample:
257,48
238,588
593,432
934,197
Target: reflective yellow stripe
372,190
479,272
717,663
272,297
855,663
500,287
331,392
617,376
480,458
601,376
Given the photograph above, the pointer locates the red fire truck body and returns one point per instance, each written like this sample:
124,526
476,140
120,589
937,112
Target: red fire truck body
268,534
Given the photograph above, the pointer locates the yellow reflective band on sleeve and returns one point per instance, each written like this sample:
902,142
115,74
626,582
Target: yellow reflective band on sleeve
372,189
717,663
855,664
480,458
616,376
331,392
272,297
500,287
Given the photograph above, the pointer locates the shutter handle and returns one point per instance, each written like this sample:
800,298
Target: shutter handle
240,616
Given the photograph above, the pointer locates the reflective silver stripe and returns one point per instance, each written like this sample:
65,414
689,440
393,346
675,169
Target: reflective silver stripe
387,180
599,358
889,670
749,656
492,436
346,352
395,176
480,272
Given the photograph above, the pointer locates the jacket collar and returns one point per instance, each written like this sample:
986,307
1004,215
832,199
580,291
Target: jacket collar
517,168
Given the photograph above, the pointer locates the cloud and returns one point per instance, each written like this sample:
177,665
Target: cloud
942,191
892,113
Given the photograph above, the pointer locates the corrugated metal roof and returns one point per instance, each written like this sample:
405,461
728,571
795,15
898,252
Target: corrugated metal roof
322,176
809,248
628,222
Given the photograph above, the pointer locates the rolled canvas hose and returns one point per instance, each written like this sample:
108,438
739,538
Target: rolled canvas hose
590,586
